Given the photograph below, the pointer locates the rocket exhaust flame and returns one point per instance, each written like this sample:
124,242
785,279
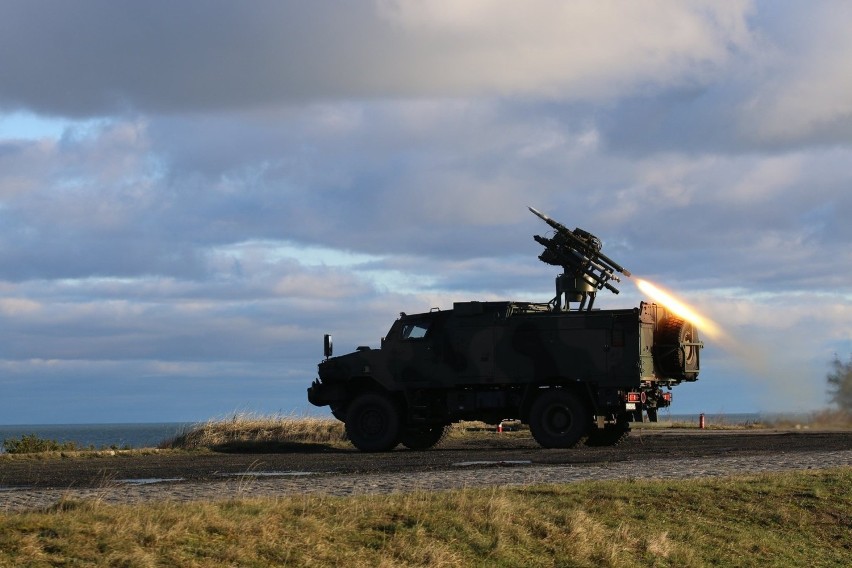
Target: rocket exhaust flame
751,355
679,308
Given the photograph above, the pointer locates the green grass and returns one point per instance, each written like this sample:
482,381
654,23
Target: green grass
789,519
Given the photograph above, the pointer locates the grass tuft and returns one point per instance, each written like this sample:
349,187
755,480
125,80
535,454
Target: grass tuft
247,432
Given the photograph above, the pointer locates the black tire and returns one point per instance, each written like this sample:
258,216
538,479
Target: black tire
676,359
558,419
423,437
652,414
372,423
609,435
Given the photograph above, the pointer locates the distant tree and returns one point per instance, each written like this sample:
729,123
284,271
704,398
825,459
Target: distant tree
840,384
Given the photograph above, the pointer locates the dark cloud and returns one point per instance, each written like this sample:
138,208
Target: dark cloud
100,57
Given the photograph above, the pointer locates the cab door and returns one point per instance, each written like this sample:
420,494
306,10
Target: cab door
415,355
472,344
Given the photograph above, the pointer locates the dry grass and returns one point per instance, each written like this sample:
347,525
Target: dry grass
792,519
822,420
251,431
244,431
819,420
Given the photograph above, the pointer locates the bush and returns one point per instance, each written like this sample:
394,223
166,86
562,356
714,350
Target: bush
840,384
32,444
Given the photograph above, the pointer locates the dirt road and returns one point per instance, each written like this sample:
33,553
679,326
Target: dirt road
489,459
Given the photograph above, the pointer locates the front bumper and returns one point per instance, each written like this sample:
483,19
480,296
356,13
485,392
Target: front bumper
321,394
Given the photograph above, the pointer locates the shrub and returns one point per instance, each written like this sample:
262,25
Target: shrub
32,444
840,384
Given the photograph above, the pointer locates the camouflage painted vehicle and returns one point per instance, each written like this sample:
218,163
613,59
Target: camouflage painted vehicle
571,375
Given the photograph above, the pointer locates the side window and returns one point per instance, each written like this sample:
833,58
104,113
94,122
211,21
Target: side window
415,330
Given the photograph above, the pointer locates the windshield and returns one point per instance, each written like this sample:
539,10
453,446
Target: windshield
415,330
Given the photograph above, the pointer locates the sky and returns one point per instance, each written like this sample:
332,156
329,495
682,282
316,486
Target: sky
193,193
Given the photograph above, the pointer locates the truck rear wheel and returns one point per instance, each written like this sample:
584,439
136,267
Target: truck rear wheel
372,423
558,419
423,437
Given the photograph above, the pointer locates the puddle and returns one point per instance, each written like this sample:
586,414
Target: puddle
149,480
500,463
20,488
268,474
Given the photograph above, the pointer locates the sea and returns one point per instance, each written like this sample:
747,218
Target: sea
99,436
145,435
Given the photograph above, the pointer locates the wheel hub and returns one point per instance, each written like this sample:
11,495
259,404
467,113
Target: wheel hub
372,422
558,419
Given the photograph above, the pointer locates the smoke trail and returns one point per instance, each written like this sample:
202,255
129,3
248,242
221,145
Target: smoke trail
680,308
758,358
789,382
752,356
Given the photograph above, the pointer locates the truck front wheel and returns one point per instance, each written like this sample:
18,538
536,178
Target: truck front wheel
372,423
558,419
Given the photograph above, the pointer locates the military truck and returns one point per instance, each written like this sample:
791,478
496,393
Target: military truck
573,375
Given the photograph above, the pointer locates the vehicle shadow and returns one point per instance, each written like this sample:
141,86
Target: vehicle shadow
276,447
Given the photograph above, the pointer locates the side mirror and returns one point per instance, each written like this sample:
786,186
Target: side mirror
327,345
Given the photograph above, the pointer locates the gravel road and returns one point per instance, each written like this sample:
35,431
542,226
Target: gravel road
486,460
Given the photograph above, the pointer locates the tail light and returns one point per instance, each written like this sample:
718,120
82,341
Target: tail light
636,397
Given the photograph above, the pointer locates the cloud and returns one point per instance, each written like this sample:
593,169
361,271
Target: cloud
137,198
808,95
219,186
14,306
167,57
